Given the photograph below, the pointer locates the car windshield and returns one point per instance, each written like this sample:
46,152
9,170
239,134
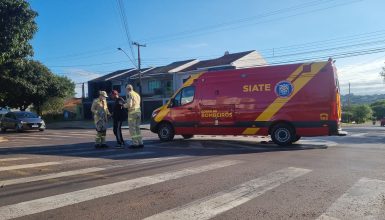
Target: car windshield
26,115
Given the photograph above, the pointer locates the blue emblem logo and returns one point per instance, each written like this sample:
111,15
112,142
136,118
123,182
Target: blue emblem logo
284,89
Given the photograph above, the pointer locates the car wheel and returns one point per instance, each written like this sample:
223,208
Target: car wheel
296,138
283,134
166,132
187,136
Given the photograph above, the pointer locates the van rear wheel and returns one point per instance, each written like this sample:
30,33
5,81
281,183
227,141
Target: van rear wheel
166,132
283,134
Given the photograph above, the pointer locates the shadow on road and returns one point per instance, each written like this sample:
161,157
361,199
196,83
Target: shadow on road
160,149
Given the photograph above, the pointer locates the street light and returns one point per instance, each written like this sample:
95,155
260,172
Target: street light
139,71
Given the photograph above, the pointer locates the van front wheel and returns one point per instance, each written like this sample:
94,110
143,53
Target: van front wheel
283,134
166,132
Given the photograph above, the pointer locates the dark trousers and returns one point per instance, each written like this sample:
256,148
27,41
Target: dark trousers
118,131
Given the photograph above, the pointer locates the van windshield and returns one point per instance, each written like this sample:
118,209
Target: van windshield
184,97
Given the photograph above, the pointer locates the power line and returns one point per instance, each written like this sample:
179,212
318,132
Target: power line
92,64
233,24
124,19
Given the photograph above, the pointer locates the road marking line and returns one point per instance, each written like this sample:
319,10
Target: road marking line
49,135
364,200
114,156
358,134
218,203
13,159
61,135
26,137
86,170
71,198
49,176
31,165
27,151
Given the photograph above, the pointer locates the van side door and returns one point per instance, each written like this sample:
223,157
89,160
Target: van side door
184,111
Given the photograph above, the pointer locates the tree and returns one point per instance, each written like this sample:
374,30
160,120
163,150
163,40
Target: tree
378,109
361,113
17,27
30,82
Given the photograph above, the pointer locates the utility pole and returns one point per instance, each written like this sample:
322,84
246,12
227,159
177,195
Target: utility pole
83,93
138,45
349,104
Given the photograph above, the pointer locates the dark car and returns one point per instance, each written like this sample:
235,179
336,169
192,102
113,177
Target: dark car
21,121
383,122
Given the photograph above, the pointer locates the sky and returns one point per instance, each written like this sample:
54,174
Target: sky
79,39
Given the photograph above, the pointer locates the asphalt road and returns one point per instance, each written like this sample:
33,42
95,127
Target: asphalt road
57,174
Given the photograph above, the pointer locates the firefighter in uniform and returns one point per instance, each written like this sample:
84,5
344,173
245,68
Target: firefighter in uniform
134,117
100,111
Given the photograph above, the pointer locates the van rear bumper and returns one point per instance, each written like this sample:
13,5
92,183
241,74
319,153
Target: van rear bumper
342,133
335,129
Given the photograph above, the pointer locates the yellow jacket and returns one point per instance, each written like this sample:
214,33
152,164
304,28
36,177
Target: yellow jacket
133,102
99,108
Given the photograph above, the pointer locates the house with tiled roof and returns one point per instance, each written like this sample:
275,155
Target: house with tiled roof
159,83
227,61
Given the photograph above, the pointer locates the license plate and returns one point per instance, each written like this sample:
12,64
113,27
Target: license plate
35,126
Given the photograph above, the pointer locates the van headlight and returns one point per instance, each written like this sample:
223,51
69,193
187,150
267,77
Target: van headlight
154,113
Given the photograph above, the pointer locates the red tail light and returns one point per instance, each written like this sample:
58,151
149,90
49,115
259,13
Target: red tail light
336,108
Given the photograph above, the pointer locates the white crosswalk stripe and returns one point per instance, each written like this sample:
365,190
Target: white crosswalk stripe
85,171
364,200
31,165
66,199
216,204
70,161
113,156
38,138
13,159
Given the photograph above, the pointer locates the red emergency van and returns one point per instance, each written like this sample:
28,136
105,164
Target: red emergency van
286,102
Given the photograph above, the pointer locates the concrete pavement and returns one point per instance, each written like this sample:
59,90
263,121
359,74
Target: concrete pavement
57,174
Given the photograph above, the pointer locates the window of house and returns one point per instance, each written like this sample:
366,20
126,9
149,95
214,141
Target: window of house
154,84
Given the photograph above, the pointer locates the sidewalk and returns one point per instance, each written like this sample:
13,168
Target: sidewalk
86,125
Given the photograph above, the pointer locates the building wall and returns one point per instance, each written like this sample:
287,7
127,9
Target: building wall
163,82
